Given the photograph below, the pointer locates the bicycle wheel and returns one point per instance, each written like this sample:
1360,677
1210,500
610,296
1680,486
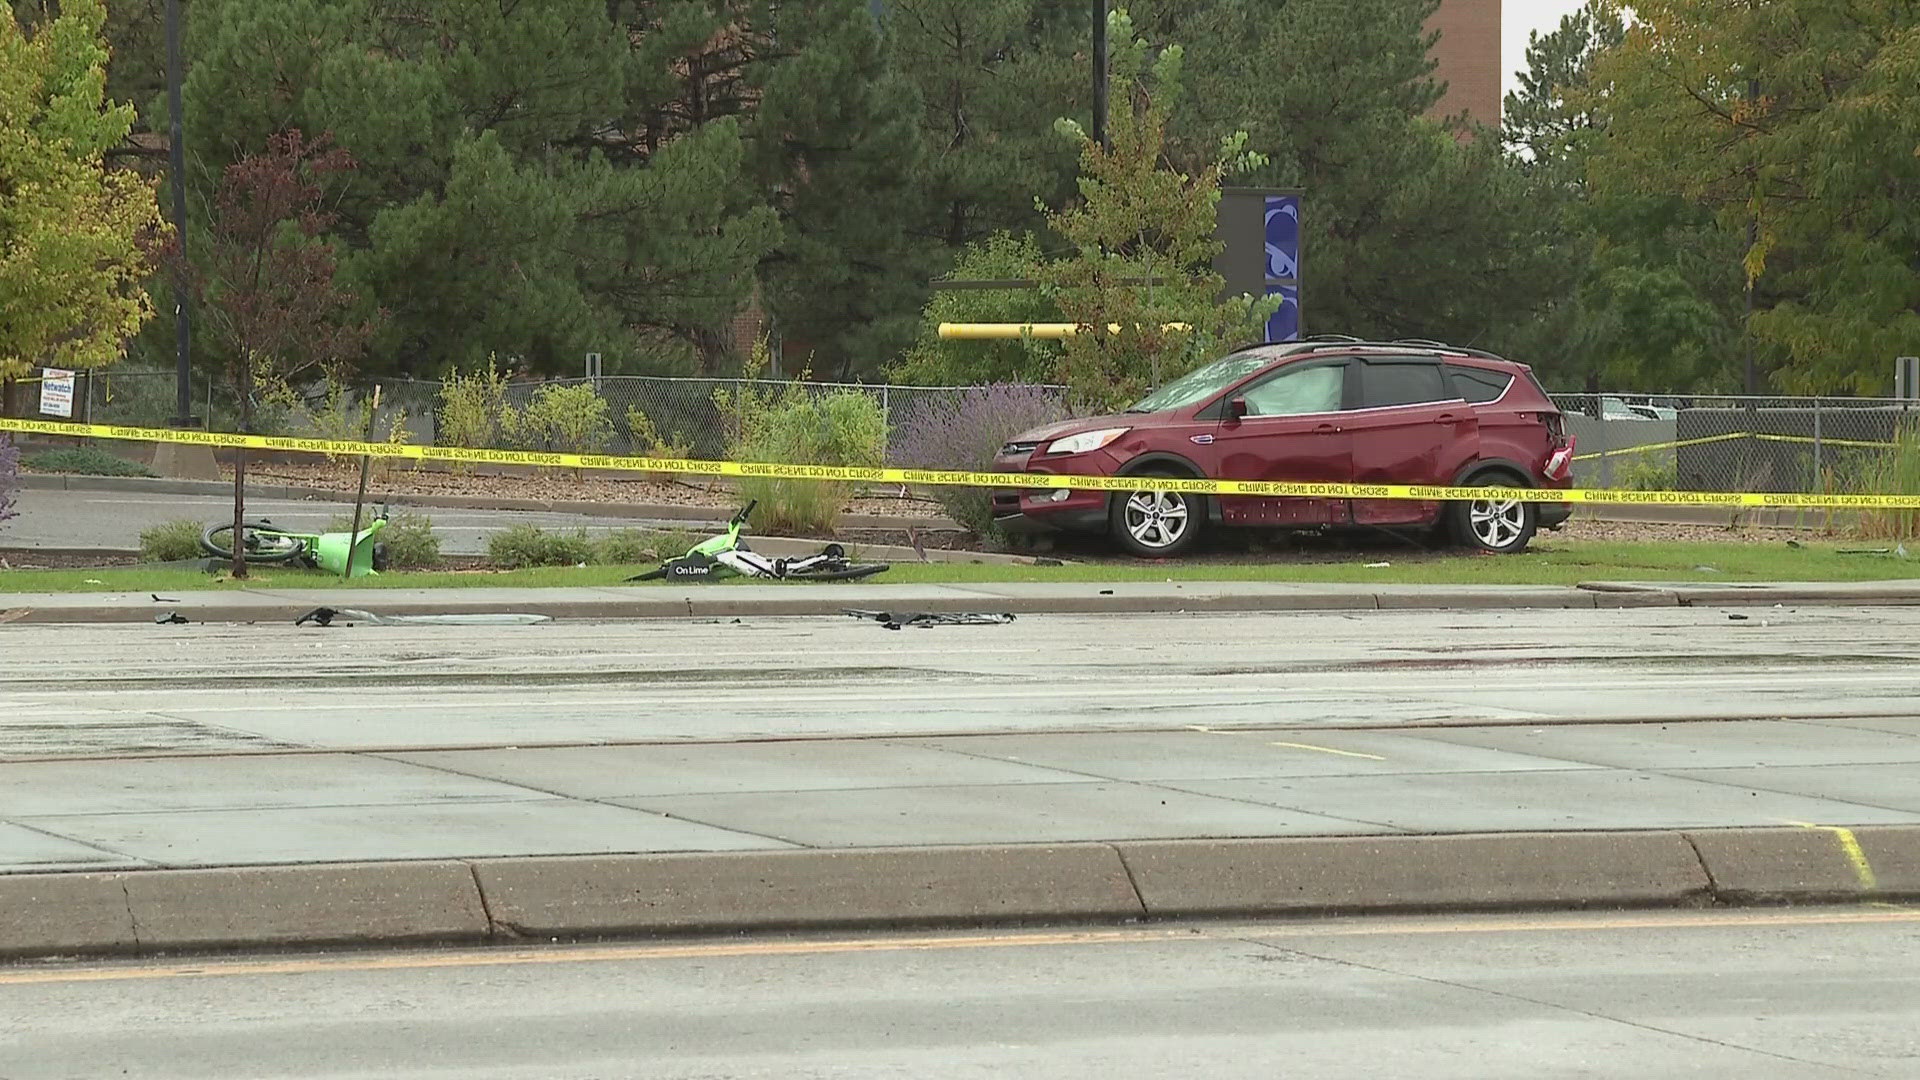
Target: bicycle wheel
260,541
845,572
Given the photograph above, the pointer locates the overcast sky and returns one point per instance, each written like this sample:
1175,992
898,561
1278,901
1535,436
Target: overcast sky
1517,19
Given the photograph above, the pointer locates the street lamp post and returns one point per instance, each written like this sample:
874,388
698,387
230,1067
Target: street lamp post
177,166
1100,72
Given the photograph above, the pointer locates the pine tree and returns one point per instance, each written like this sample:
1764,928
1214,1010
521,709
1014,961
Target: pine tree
836,139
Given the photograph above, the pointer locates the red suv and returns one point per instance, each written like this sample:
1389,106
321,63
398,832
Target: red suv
1341,410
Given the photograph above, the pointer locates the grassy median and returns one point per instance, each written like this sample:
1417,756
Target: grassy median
1550,563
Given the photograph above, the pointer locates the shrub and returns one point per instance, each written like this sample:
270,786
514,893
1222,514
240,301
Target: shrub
529,545
338,417
565,418
171,541
84,460
1890,470
472,407
964,432
648,442
844,427
9,475
1647,472
626,547
408,538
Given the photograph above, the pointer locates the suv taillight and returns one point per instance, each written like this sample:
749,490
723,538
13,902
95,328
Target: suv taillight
1560,463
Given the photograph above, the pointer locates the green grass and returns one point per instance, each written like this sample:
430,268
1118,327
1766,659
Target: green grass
1551,563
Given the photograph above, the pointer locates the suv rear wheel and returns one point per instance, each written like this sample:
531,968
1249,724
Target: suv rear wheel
1499,526
1157,524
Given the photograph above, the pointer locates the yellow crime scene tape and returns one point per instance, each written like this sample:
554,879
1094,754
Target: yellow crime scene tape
880,475
1643,448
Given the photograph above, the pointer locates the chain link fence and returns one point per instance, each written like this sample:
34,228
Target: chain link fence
1739,443
686,412
1641,441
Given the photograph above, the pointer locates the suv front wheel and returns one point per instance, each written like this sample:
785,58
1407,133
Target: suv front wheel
1497,526
1157,524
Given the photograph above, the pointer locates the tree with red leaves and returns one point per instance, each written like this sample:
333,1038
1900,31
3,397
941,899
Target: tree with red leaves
265,280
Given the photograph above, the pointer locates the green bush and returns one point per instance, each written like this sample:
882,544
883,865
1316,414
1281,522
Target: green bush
570,419
1647,472
529,545
1890,470
627,547
408,538
171,541
648,442
795,426
473,409
83,460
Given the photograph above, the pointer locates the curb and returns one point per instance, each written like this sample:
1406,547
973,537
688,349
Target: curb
509,900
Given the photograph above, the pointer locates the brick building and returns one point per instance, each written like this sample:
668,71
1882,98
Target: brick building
1468,55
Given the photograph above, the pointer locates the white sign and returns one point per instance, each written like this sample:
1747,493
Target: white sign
56,392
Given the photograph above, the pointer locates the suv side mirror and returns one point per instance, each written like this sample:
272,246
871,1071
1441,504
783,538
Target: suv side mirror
1237,408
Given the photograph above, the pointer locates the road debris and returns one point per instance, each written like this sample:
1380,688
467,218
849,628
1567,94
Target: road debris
170,618
894,620
325,616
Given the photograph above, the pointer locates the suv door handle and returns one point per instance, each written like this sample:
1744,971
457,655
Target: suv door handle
1326,429
1446,418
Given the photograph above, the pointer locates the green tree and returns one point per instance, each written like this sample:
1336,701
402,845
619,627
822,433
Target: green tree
76,237
511,195
1142,236
991,76
836,139
1000,257
1646,291
1794,118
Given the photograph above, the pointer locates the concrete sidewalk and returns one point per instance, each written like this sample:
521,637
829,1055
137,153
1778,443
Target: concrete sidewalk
1020,598
504,844
213,786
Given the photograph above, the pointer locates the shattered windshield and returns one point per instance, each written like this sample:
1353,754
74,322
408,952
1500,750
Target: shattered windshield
1203,382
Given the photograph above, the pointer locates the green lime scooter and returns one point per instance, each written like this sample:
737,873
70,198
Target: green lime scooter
727,555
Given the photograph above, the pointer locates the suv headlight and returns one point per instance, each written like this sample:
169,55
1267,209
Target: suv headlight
1086,441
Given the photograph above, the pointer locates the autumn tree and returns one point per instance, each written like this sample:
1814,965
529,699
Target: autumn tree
265,280
1794,119
77,239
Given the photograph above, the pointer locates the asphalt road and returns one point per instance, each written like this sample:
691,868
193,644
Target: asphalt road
107,519
142,745
1757,994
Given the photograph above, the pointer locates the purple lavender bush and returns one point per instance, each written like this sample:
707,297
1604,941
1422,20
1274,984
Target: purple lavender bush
964,431
9,475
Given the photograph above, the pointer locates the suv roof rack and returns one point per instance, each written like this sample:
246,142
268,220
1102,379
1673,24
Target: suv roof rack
1430,343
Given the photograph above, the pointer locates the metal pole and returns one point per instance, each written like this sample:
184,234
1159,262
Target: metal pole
177,177
1100,72
360,498
1817,486
1753,239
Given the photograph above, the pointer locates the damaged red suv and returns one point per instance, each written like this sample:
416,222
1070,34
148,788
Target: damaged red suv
1321,410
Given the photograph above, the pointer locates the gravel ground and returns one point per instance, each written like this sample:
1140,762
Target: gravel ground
631,488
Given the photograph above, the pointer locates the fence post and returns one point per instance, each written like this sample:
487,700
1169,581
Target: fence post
1817,470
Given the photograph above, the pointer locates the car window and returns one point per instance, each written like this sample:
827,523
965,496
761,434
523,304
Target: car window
1297,391
1204,381
1478,385
1395,382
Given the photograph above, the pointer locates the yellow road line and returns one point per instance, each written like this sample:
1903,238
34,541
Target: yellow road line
1850,847
1329,750
1366,927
